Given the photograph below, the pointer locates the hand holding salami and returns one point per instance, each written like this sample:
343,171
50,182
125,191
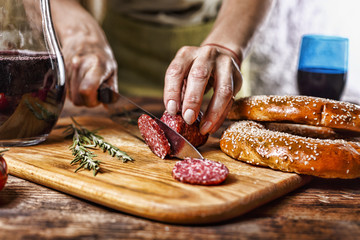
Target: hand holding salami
193,71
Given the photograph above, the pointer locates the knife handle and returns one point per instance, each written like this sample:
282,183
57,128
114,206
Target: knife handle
105,94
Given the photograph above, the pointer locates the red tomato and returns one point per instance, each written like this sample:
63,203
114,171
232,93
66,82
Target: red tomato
3,102
3,172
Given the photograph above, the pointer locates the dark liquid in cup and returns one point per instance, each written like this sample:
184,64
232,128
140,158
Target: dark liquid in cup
326,83
31,97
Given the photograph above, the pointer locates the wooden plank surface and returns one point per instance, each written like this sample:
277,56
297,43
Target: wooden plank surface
323,209
145,187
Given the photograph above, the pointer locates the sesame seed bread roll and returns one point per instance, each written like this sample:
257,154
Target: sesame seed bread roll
298,109
303,130
312,131
250,142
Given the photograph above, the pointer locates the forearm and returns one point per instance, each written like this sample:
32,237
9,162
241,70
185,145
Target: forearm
88,56
73,23
237,22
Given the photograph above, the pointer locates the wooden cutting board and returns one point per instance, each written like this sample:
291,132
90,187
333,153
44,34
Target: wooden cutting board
145,187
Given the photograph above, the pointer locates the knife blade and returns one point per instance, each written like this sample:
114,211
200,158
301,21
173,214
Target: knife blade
122,110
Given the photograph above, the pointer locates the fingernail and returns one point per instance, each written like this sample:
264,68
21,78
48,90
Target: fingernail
189,116
205,128
171,107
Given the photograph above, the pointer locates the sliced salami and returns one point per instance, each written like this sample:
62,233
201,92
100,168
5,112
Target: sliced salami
154,136
200,171
190,132
193,135
176,122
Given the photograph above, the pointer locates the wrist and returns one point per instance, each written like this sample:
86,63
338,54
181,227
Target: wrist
236,55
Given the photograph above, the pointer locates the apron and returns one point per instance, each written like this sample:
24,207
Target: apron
144,50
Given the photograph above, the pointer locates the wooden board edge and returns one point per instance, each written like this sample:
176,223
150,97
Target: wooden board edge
183,216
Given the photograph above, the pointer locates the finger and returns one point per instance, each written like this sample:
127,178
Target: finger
174,79
223,94
237,77
197,80
112,81
93,72
73,82
222,119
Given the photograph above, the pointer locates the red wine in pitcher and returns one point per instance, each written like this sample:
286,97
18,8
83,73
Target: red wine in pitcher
31,97
319,82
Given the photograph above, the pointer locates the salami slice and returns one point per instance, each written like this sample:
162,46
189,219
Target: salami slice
176,122
154,136
193,135
190,132
200,171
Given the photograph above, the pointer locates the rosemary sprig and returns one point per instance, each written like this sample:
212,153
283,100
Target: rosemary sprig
83,140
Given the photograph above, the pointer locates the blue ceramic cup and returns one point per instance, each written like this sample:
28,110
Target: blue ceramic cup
323,65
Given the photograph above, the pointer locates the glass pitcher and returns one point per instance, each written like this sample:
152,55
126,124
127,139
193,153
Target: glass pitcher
32,73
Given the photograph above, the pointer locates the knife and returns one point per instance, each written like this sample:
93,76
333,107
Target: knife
124,110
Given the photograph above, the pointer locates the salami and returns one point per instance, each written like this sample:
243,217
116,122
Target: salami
200,171
154,136
190,132
176,122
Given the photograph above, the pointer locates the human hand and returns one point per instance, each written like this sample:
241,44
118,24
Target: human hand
189,76
89,62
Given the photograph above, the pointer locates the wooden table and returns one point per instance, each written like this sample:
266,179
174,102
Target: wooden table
322,209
